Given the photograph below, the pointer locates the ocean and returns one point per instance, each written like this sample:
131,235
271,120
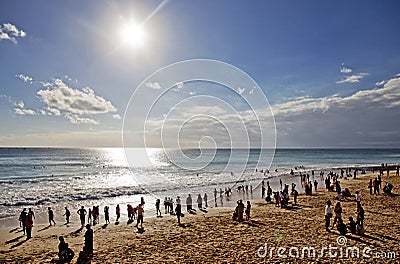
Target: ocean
41,177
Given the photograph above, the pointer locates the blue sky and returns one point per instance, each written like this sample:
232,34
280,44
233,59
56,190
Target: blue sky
328,68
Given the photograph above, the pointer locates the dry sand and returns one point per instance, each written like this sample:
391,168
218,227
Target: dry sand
214,238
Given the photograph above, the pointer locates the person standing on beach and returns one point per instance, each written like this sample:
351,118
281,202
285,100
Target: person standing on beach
22,219
89,216
189,203
51,216
31,214
130,212
140,212
370,186
215,195
89,239
328,215
240,210
107,214
82,215
247,212
338,213
315,185
205,200
28,227
280,182
118,213
158,207
67,214
199,201
178,209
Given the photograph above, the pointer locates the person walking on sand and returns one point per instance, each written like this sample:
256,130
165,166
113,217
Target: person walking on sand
89,239
205,199
199,201
67,214
248,207
140,213
28,227
82,215
328,215
51,216
22,218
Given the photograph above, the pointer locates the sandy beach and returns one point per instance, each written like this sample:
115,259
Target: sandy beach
214,237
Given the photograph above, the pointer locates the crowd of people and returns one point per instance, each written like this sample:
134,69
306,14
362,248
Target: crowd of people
242,211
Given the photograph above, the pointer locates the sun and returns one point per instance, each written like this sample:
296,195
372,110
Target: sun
133,34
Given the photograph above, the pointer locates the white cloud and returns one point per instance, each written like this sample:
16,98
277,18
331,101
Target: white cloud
23,111
62,97
344,69
24,77
11,32
240,90
116,116
19,104
153,85
380,83
75,119
53,111
355,78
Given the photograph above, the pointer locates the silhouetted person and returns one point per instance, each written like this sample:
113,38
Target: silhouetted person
205,199
107,214
199,201
189,203
89,239
117,212
51,216
22,219
82,215
178,209
28,227
158,207
65,254
247,212
67,214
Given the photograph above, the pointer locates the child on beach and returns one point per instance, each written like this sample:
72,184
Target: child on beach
351,225
247,212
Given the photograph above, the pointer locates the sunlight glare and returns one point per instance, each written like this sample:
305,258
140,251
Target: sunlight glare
133,34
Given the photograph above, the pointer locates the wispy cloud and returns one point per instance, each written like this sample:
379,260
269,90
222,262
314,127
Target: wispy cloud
24,77
75,119
11,32
116,116
153,85
65,98
355,78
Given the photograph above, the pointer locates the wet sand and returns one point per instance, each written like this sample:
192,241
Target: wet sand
213,237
